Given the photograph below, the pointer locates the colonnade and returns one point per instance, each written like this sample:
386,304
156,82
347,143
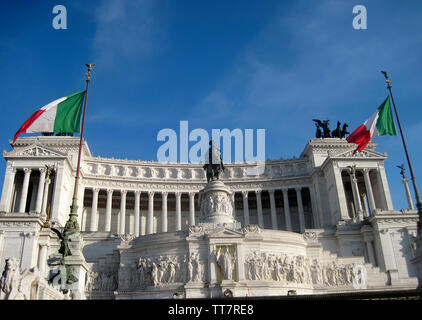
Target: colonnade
19,204
93,213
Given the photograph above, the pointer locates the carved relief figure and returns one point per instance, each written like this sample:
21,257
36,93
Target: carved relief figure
226,263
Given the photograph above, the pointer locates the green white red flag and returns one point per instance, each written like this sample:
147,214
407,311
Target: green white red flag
380,123
62,115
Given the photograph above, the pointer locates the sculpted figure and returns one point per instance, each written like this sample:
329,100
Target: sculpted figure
190,269
9,282
225,261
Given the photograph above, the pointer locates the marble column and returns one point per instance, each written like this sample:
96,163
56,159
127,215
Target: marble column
287,209
40,190
122,212
300,209
384,189
259,208
150,216
108,210
178,210
245,208
355,191
42,260
191,208
164,212
408,195
24,192
6,196
94,209
136,212
364,200
369,192
274,224
233,204
45,198
314,205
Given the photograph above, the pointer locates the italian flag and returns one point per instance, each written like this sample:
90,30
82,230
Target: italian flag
379,124
61,115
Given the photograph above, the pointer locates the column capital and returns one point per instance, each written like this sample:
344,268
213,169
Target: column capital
95,190
192,194
123,192
258,192
271,191
366,170
27,170
245,194
178,194
285,189
298,189
110,191
151,193
42,169
137,192
164,194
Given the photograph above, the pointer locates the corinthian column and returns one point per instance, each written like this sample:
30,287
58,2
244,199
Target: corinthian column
94,209
245,208
24,192
6,196
191,208
287,209
355,191
164,212
122,211
178,211
273,210
108,210
150,216
369,192
40,190
300,209
259,208
136,213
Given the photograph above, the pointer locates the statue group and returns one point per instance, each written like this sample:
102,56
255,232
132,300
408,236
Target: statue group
323,129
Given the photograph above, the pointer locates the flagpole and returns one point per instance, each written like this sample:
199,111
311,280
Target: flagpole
415,186
72,224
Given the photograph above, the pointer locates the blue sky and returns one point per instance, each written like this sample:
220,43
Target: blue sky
218,64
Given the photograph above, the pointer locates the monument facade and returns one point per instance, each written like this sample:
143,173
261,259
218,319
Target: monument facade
320,223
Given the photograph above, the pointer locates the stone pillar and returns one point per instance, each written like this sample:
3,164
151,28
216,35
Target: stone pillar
24,192
178,211
233,204
93,224
364,199
6,196
45,198
287,209
259,209
240,262
273,210
40,190
356,199
245,208
164,212
300,209
408,195
150,217
122,211
108,210
136,212
368,238
384,189
42,261
315,218
369,192
191,208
